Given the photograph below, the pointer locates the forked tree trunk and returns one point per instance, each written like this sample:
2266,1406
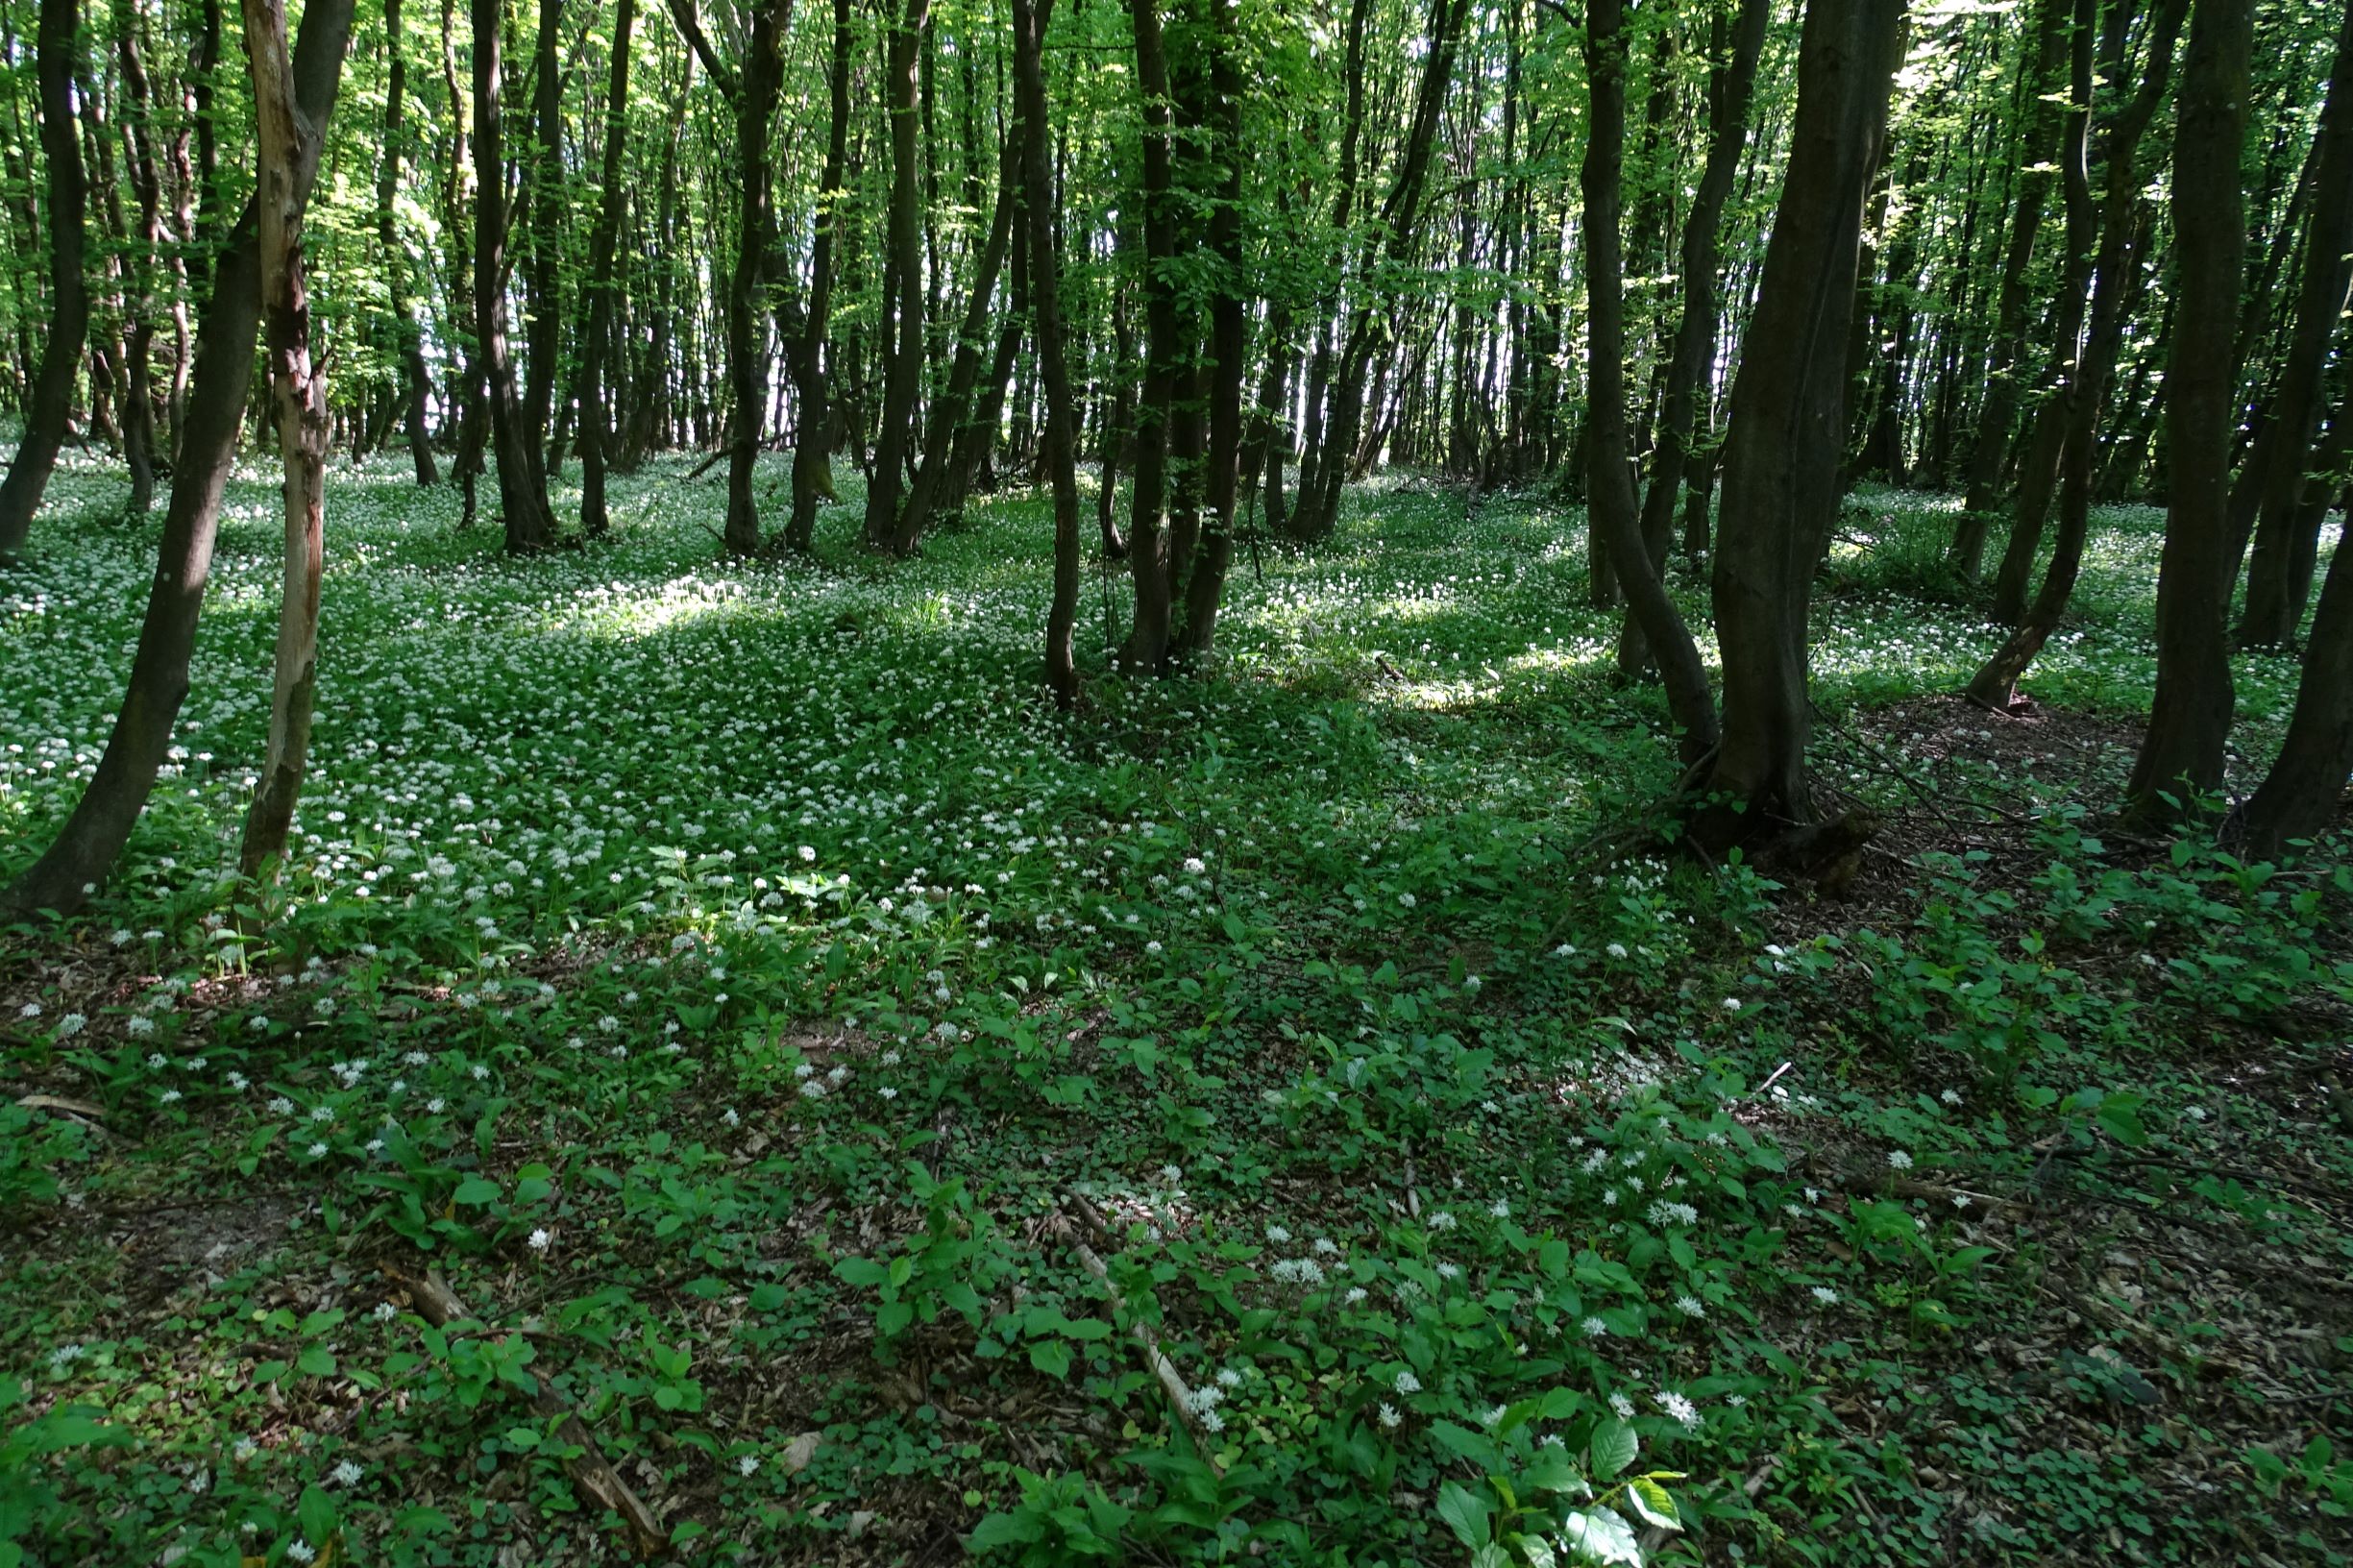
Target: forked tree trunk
69,299
949,409
597,425
300,397
2182,754
1609,492
2275,587
1788,424
1029,22
522,495
92,838
903,377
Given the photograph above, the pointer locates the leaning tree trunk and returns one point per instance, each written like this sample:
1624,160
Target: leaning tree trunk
92,838
69,299
903,377
948,410
1609,492
1787,434
410,337
1730,85
2182,754
2048,431
597,425
1029,21
300,395
1995,685
2275,588
522,495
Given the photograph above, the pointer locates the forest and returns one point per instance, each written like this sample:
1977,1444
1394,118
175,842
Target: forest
1348,782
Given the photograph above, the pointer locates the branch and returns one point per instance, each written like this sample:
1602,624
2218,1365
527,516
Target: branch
690,28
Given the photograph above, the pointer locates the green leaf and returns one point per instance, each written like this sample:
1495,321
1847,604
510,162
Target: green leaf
1601,1536
1050,1356
316,1514
477,1190
1469,1515
317,1362
1650,1499
1612,1449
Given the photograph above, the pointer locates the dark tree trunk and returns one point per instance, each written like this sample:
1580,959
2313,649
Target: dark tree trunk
69,299
813,451
2041,471
1029,22
1229,331
902,381
523,494
146,262
2182,753
1148,534
1731,82
1652,621
948,410
1788,424
408,336
2275,589
92,838
542,224
597,422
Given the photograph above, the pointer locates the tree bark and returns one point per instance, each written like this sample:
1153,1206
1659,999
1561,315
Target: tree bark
2182,753
69,299
145,263
522,493
92,838
1148,534
409,336
1652,617
813,453
902,381
1029,23
300,395
541,221
1787,433
2275,589
1229,331
598,426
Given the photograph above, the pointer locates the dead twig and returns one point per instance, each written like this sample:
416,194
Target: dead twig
596,1480
1147,1343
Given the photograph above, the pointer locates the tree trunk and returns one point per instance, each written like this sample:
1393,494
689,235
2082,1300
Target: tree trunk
2182,754
1148,534
1787,433
1731,83
597,422
522,495
409,336
93,837
541,221
902,381
69,299
1029,22
813,453
286,146
1652,621
2275,589
1229,331
146,262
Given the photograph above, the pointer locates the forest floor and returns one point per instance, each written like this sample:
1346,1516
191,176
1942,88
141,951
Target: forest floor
737,990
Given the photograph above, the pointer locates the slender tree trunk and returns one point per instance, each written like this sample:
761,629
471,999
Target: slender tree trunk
2182,754
597,422
813,453
2275,587
948,410
1653,620
1148,534
541,222
70,307
523,496
1029,23
92,838
409,336
146,263
1788,427
1730,85
287,145
902,384
1229,332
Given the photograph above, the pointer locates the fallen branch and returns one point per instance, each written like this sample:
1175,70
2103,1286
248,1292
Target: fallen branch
1147,1343
595,1481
